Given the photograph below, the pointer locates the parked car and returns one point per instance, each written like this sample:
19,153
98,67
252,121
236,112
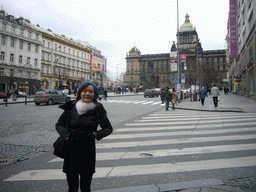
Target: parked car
22,94
4,95
150,93
158,90
50,97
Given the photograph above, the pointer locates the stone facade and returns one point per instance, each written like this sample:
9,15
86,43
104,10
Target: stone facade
20,54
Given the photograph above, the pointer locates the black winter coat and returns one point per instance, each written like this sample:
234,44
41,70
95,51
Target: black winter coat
81,155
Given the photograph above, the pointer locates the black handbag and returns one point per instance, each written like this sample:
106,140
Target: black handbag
60,147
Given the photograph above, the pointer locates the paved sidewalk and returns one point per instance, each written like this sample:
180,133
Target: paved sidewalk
227,103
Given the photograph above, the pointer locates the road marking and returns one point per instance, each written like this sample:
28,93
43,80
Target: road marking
170,152
131,170
114,145
188,133
183,127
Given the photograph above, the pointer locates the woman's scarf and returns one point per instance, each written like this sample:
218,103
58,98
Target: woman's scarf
82,107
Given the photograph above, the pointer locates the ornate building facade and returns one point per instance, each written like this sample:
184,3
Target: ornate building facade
157,70
20,46
64,61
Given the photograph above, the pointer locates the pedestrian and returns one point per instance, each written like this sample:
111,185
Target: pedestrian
162,95
202,95
82,117
105,94
167,97
215,93
174,98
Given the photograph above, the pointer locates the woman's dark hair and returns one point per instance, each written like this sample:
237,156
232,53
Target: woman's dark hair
78,97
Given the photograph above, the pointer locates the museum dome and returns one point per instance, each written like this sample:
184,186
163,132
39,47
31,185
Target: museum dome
187,26
134,49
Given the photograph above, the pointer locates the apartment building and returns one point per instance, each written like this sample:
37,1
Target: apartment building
64,62
242,71
20,49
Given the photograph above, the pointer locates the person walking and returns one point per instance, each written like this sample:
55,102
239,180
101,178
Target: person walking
167,97
174,98
162,95
215,93
105,94
82,117
202,95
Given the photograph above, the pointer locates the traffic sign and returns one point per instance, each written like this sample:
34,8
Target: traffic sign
183,76
175,80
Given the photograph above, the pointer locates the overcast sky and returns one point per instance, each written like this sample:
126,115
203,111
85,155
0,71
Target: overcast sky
115,26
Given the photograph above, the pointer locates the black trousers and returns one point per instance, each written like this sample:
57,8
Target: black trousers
215,101
202,101
73,182
166,104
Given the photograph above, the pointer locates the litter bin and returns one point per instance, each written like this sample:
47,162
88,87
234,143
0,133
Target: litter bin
195,96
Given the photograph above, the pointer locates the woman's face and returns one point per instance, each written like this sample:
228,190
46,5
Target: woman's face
87,95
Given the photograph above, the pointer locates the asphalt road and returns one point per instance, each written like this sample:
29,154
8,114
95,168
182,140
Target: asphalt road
149,146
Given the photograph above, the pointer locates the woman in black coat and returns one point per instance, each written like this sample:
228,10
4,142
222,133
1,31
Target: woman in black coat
78,123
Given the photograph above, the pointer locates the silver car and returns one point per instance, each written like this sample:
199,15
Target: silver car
50,97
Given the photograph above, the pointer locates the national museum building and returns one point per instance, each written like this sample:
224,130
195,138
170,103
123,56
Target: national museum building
197,67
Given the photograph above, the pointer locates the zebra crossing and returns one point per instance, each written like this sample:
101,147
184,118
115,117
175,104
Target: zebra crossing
135,102
196,141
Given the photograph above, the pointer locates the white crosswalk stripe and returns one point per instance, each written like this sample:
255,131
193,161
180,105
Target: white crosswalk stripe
160,135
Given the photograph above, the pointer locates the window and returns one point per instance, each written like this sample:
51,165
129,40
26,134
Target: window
28,60
64,49
35,62
43,43
48,57
64,60
82,55
42,56
11,57
56,46
42,69
2,55
4,27
21,32
60,47
29,34
48,44
12,42
77,53
3,40
73,52
69,50
20,59
77,63
68,61
2,71
21,45
36,36
36,48
29,46
13,29
73,62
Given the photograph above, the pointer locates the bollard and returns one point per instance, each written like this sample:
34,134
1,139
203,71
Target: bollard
26,100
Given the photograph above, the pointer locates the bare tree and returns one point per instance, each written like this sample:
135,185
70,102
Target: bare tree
11,76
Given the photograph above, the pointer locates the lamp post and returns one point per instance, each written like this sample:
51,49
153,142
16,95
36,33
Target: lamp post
178,46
